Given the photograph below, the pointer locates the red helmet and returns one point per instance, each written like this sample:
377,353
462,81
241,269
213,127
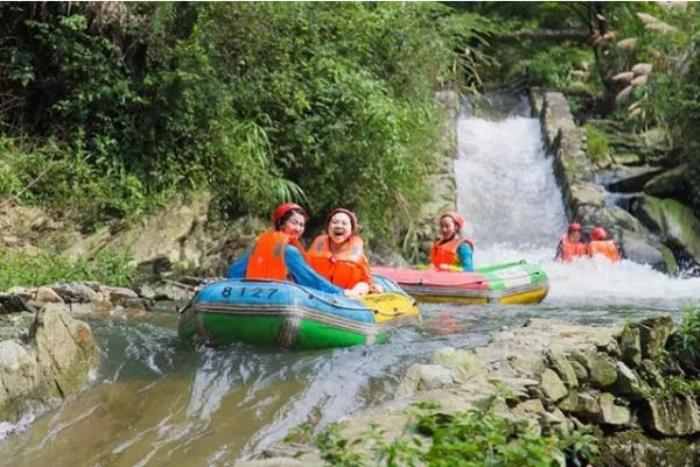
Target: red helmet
283,209
598,233
351,215
575,227
459,220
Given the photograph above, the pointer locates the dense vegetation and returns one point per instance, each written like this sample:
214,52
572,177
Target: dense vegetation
110,108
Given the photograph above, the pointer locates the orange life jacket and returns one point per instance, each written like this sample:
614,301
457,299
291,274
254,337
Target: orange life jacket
267,259
344,269
571,250
606,248
446,252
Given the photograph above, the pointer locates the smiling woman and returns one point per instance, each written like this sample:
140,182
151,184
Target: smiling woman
338,255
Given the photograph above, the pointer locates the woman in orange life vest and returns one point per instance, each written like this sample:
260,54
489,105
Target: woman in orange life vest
452,251
278,254
571,244
338,255
600,246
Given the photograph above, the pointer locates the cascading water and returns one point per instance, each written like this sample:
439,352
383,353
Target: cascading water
156,402
514,210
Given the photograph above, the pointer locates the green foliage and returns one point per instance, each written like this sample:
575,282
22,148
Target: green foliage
566,67
327,104
21,269
598,144
480,436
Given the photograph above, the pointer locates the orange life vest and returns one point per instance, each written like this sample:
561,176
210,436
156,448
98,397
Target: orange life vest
344,269
606,248
446,252
267,259
571,250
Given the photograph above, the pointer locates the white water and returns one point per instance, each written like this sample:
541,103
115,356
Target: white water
514,210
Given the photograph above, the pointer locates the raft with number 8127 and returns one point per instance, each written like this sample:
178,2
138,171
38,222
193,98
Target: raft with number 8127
288,315
508,283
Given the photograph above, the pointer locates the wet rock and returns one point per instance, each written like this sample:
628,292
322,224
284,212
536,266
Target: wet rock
142,304
633,179
119,295
552,386
612,414
47,295
54,361
653,334
670,184
18,375
167,291
424,378
674,222
65,349
671,415
77,292
16,302
641,251
562,366
464,364
628,383
630,346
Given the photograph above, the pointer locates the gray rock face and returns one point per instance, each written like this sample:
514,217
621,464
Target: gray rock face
641,251
630,346
564,369
601,368
628,383
55,362
670,184
674,415
653,334
674,222
633,179
552,386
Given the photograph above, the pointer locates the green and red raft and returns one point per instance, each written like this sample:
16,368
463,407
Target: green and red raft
508,283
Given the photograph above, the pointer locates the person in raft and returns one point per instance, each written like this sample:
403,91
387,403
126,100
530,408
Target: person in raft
571,244
600,245
339,255
452,251
278,254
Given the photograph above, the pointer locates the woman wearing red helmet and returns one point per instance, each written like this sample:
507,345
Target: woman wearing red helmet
571,244
278,254
338,255
600,246
452,250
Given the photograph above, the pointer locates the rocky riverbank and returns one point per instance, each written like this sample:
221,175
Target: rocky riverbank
625,384
46,352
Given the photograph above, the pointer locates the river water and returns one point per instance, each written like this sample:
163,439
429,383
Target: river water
157,402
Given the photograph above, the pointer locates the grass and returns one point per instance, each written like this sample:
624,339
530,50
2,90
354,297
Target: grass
21,269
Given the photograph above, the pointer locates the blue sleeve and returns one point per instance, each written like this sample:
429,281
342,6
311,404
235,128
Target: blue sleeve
238,269
466,259
304,275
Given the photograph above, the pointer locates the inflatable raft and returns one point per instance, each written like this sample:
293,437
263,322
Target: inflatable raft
508,283
287,315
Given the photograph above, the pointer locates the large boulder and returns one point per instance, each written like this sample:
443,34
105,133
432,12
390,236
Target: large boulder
54,362
669,184
632,179
674,222
641,251
671,415
653,334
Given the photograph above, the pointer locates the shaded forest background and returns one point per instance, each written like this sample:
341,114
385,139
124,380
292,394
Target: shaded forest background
108,110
